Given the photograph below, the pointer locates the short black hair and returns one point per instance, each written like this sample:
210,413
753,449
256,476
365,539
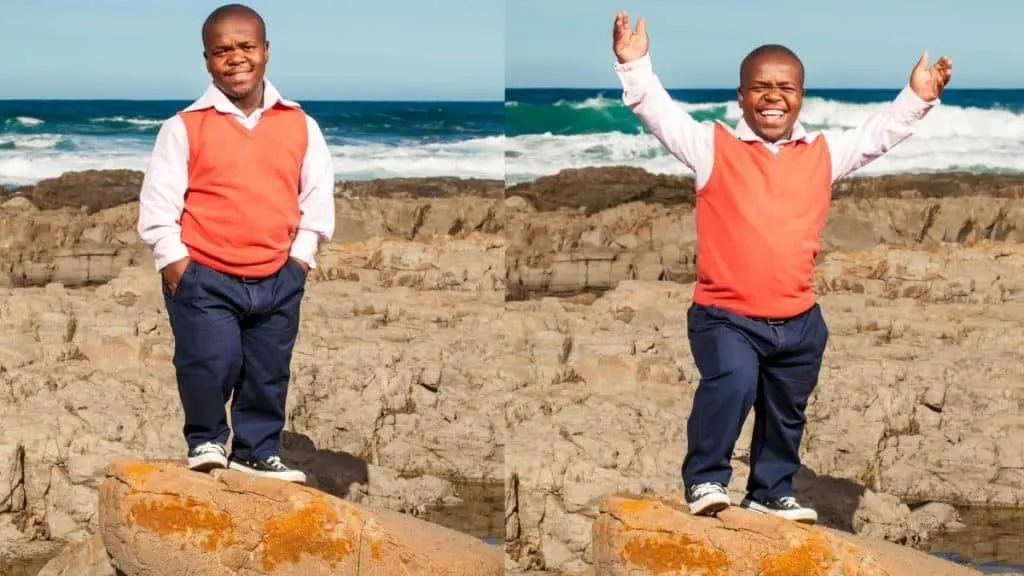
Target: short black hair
233,11
769,50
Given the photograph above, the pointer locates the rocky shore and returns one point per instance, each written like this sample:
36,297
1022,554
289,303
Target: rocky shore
397,389
459,332
919,405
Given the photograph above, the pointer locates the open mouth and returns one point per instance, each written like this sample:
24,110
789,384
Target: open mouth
772,116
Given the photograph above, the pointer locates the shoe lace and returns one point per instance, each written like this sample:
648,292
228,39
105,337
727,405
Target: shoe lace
705,489
211,447
789,502
275,463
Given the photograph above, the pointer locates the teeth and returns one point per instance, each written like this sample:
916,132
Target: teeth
772,113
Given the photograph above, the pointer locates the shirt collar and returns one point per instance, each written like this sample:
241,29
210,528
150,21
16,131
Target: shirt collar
744,132
214,98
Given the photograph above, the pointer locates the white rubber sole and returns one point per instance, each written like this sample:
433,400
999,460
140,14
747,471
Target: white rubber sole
801,515
710,504
207,462
296,476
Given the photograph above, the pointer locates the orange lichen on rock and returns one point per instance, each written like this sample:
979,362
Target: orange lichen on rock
660,553
184,517
813,556
138,470
309,530
632,506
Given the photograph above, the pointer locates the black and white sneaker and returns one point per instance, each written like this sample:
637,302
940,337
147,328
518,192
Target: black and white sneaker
786,507
207,456
269,467
707,498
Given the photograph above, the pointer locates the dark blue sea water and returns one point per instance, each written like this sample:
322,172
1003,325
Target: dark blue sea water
547,130
552,129
43,138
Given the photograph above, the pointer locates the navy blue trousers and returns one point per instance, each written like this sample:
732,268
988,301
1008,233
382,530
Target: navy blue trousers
744,363
233,339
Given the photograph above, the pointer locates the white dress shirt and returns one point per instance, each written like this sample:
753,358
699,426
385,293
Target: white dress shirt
692,142
162,197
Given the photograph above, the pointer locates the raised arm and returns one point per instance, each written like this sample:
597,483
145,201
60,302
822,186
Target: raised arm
316,197
162,197
685,138
857,147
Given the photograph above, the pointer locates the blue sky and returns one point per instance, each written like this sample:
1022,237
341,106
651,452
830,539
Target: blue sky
320,49
699,43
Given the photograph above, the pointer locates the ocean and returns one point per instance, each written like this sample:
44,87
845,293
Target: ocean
551,129
45,138
537,132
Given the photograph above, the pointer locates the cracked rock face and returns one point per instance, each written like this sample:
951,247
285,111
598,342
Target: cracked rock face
602,403
591,229
407,353
395,389
86,377
158,519
83,558
918,405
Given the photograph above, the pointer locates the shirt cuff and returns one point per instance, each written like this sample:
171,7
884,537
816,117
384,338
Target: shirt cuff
635,74
305,246
909,107
169,249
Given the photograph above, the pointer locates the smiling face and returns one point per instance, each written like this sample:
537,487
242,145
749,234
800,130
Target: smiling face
771,92
236,52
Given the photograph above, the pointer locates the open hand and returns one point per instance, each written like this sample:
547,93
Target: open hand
928,81
629,44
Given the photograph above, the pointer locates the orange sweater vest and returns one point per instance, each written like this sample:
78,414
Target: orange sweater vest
242,203
759,223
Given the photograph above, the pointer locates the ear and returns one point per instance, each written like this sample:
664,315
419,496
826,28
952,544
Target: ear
266,48
739,95
206,60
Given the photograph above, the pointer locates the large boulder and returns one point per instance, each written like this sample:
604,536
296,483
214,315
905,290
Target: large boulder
159,518
659,537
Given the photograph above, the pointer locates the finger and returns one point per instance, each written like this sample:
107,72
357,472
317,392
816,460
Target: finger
621,29
943,75
641,27
922,63
945,68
